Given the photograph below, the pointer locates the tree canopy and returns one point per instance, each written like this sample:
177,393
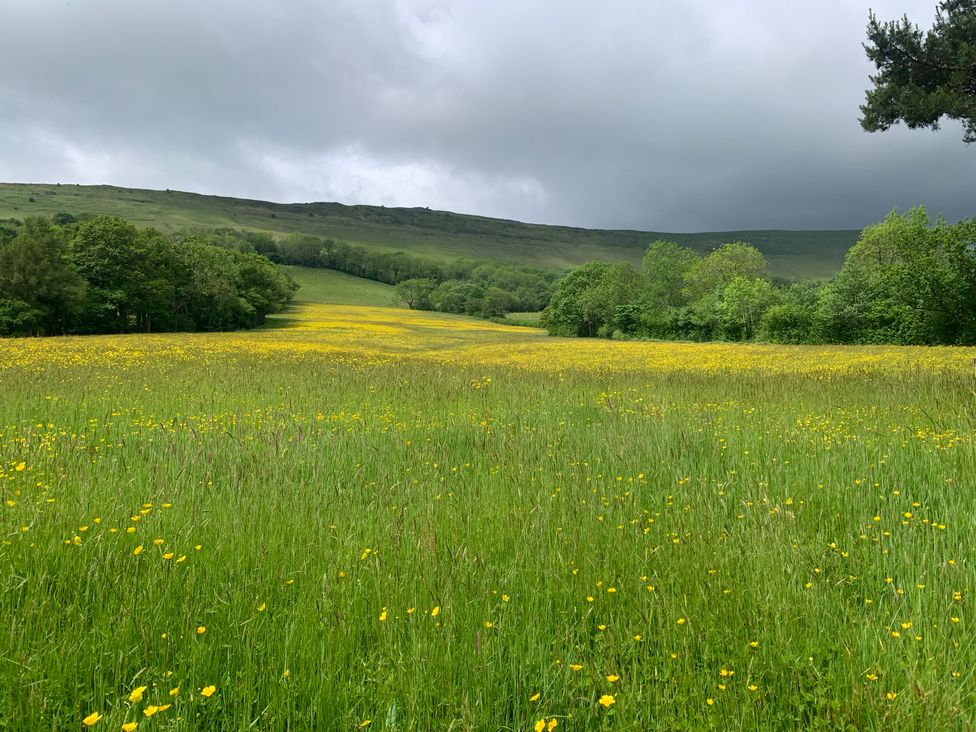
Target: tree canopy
923,75
907,280
104,275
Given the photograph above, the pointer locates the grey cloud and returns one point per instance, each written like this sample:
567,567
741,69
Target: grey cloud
657,115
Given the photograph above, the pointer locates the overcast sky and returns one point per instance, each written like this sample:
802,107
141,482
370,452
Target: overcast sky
686,115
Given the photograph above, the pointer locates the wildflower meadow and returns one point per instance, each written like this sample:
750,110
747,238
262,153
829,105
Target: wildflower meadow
379,518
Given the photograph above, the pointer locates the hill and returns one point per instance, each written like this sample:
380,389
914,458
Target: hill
338,288
436,234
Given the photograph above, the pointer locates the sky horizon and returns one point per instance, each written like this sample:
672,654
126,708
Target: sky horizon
652,116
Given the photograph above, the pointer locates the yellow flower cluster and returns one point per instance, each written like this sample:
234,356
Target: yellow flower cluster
349,332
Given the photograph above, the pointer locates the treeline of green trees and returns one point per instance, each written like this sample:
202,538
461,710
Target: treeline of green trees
488,289
906,281
103,275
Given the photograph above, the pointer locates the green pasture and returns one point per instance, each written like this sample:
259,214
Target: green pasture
440,235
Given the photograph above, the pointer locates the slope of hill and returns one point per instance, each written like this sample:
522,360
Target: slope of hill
339,288
436,234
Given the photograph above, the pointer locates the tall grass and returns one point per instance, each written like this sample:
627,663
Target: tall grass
416,543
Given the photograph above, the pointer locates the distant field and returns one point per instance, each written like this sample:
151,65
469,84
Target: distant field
329,286
528,319
369,517
436,234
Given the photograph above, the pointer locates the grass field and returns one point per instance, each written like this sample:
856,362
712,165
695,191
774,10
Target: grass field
373,517
435,234
529,319
330,286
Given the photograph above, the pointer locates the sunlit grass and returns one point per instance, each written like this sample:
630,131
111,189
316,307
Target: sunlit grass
428,521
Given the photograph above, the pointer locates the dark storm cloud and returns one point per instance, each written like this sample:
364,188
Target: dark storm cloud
657,115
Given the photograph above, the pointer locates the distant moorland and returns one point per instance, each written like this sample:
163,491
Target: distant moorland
435,234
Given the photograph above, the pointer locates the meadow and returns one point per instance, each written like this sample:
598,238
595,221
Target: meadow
367,517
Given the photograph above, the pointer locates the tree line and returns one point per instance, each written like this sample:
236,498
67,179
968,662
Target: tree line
907,280
466,286
103,275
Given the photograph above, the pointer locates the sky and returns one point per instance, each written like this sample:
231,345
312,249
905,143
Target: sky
680,115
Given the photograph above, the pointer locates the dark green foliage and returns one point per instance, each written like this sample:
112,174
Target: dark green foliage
707,276
923,76
743,303
905,281
103,252
102,275
793,319
17,317
591,300
497,302
301,249
416,292
470,287
665,266
458,296
39,290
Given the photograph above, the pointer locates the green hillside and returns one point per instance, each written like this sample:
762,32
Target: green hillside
437,234
339,288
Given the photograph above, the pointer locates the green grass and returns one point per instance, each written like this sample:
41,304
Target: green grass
436,234
531,319
329,286
645,525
